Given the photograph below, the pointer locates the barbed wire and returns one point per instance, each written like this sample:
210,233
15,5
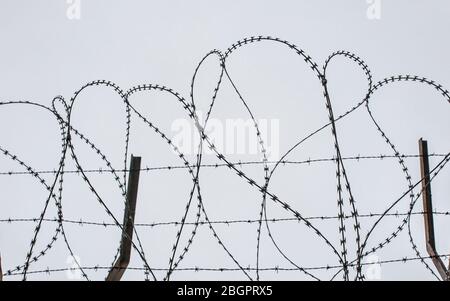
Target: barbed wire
81,222
228,269
217,165
347,255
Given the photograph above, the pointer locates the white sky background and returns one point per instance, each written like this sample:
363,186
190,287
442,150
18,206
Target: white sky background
44,54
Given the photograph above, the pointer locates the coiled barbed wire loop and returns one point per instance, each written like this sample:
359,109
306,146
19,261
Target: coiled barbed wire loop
62,112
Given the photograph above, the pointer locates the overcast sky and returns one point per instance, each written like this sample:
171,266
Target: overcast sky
51,48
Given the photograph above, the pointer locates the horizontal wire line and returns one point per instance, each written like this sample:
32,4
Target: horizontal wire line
227,222
240,163
228,269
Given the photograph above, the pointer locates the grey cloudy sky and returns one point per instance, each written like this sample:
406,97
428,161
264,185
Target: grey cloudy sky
45,53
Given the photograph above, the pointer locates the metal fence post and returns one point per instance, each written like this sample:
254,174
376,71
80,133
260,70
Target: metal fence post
428,210
128,222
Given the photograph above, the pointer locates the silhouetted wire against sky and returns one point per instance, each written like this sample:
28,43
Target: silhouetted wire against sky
264,157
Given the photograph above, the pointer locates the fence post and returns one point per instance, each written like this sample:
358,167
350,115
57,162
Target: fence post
128,222
428,210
